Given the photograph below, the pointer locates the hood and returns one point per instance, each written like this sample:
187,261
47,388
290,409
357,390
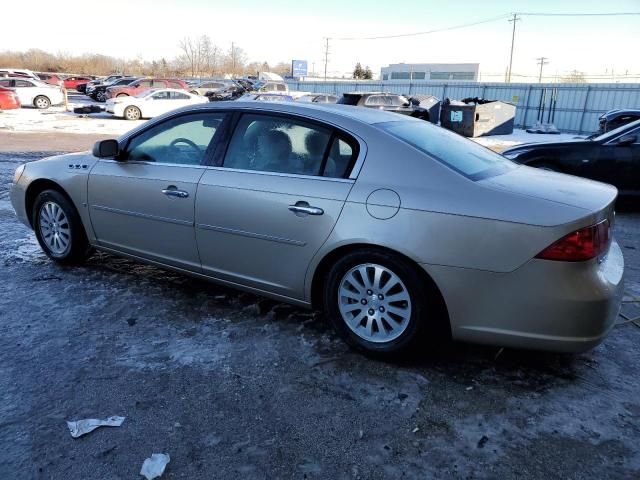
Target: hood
555,187
538,146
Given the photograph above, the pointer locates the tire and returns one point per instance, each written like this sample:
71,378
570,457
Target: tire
132,113
41,102
121,95
381,330
101,97
194,92
59,229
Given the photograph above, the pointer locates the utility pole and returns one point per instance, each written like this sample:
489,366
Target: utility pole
326,58
542,61
233,59
513,38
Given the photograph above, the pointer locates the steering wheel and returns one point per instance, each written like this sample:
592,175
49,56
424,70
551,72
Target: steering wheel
186,141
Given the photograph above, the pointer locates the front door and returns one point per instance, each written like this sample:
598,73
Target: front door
266,211
143,202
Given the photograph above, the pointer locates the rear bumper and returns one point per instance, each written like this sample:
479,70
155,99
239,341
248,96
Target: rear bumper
543,305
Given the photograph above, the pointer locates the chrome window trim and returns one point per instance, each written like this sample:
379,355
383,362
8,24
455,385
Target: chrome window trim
243,233
143,215
164,164
281,174
355,170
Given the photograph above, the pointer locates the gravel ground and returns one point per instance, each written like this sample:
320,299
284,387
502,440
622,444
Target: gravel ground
235,386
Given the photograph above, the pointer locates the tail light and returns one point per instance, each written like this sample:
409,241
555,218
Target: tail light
584,244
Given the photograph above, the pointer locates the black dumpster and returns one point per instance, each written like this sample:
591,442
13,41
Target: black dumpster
431,104
475,117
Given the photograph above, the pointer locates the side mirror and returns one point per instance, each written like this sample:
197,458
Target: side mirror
106,148
627,139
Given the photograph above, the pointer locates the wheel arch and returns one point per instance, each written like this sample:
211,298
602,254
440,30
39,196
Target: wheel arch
35,188
443,325
36,97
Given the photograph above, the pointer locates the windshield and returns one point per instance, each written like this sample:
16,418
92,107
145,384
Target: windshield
464,156
614,133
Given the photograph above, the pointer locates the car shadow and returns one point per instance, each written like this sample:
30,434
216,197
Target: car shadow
452,358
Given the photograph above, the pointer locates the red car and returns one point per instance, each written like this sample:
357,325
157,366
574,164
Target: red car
143,84
73,82
50,78
8,99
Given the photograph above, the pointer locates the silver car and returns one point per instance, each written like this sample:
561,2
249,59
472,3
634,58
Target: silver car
397,229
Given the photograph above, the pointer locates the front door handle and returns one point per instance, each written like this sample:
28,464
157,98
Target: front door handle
172,191
305,208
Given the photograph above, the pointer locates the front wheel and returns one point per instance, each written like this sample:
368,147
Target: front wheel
41,102
132,113
101,97
59,229
376,301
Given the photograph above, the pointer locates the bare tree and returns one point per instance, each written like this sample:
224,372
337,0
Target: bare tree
574,76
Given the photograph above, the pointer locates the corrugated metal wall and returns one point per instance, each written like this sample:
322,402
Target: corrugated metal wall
577,109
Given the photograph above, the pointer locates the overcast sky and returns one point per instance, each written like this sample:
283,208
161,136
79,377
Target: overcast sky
280,30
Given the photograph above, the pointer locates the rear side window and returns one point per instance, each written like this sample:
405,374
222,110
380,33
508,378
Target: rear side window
147,83
174,85
286,145
462,155
340,159
281,88
6,82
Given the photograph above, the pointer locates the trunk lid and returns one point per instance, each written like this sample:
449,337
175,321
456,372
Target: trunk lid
559,188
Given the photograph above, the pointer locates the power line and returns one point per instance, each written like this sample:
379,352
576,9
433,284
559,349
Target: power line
427,32
604,14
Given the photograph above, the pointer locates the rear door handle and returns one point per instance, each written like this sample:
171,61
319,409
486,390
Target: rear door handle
305,208
172,191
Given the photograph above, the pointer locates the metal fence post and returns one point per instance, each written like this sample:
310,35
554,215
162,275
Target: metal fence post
584,108
526,107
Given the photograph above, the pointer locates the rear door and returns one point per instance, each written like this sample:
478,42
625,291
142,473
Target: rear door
143,204
264,213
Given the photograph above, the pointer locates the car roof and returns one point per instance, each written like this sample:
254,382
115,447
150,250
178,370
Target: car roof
369,93
364,115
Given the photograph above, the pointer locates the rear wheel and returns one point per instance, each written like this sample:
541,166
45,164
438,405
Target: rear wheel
377,302
41,102
132,113
121,95
194,92
59,229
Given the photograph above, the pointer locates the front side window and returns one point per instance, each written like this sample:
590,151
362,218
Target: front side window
174,85
182,140
462,155
281,87
277,144
146,83
23,83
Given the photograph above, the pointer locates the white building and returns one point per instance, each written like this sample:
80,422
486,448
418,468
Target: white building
431,71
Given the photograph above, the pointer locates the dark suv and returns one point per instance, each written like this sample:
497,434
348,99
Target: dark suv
390,102
99,92
142,84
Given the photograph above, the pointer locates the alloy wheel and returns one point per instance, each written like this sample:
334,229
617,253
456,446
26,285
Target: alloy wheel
374,303
55,228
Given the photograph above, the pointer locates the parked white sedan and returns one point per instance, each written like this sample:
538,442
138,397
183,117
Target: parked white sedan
152,103
34,92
